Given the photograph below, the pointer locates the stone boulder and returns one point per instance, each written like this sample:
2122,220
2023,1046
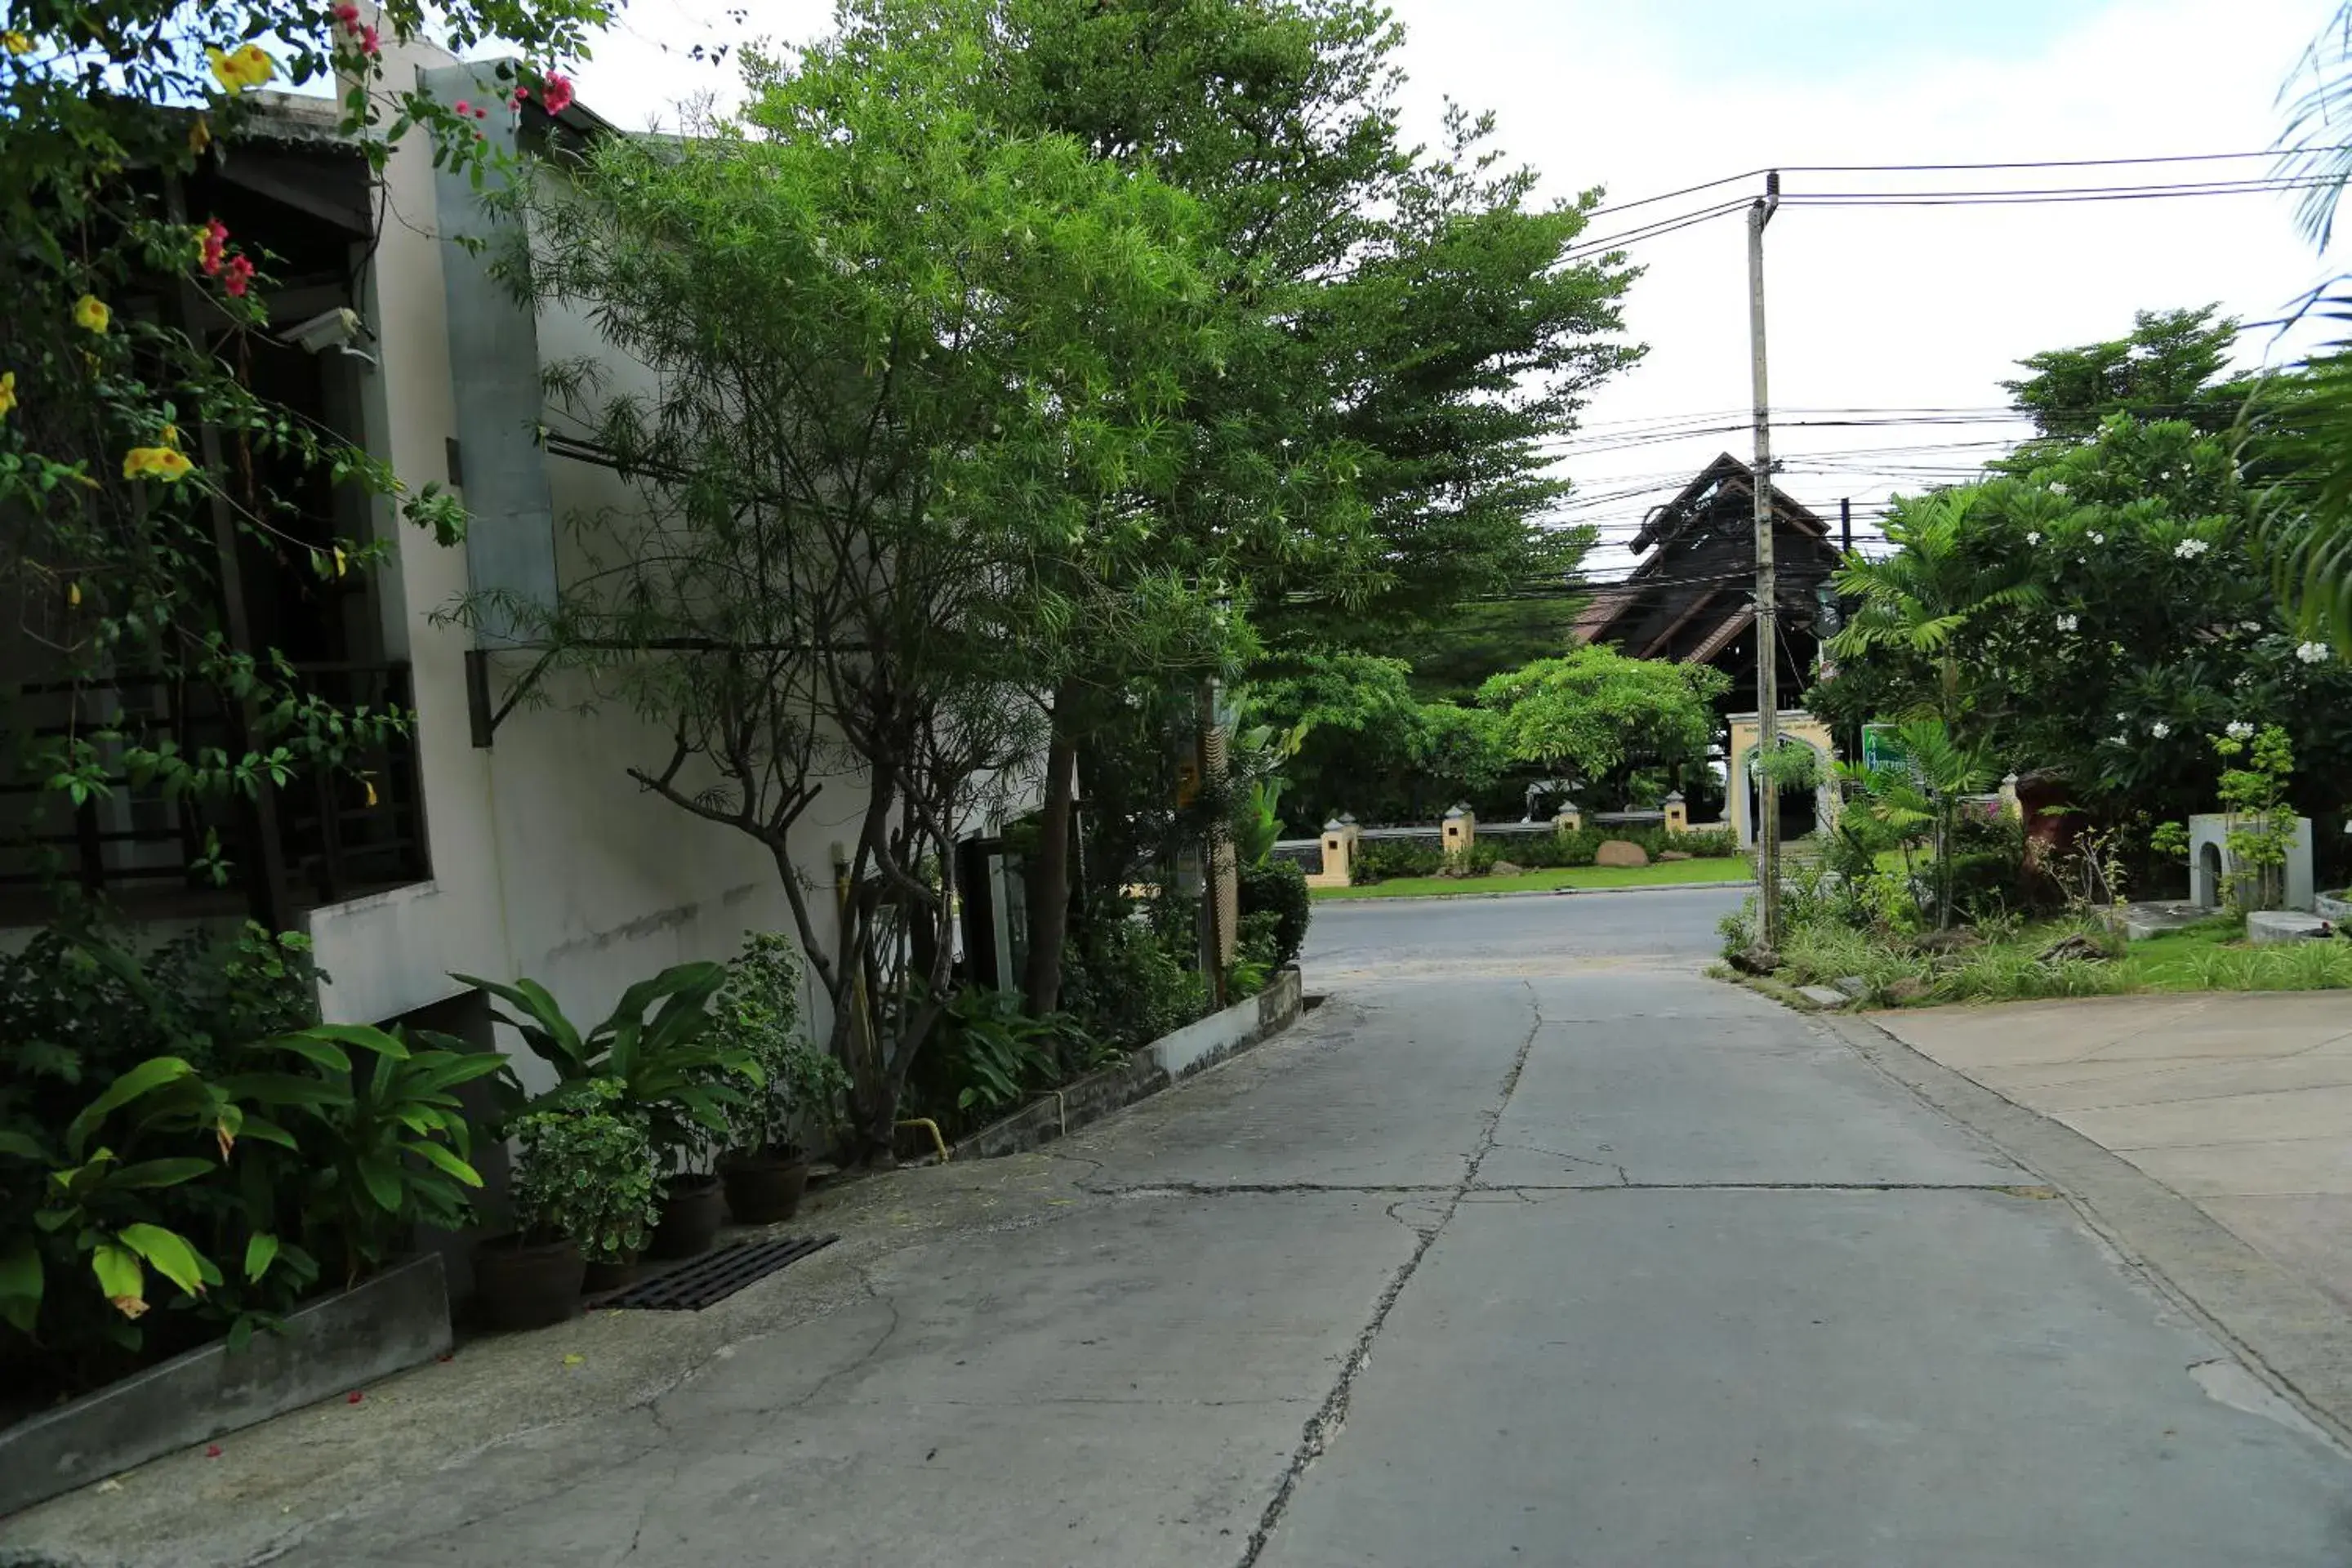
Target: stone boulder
1666,854
1755,960
1907,989
1505,868
1619,852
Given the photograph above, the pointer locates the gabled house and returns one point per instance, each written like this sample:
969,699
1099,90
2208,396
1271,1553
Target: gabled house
1693,597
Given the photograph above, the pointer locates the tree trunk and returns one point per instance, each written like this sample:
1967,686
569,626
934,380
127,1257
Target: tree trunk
1049,867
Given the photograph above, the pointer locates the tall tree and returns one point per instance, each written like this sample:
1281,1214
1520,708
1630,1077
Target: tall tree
1402,329
910,373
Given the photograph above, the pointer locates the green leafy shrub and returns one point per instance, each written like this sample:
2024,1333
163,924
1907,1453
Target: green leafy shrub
684,1082
1124,982
986,1056
1278,887
1380,860
1254,955
585,1170
756,1016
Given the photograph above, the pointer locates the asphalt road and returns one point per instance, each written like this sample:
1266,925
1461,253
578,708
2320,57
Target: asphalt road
1531,1246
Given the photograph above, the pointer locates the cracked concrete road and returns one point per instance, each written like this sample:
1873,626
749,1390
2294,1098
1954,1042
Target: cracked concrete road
1532,1246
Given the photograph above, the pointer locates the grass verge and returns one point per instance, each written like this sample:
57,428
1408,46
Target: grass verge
1724,869
2211,956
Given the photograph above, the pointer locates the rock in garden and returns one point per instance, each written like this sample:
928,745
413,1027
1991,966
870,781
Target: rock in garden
2077,946
1665,855
1946,940
1852,985
1757,960
1910,988
1618,852
1505,868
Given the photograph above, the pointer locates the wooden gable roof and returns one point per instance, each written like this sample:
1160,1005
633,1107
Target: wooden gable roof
1661,599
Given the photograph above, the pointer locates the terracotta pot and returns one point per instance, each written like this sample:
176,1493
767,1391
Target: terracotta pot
528,1287
692,1209
604,1276
764,1188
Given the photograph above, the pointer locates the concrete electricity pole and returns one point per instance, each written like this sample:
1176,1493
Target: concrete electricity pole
1768,638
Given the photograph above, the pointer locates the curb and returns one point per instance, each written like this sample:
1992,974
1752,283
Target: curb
1158,1065
2294,1335
1542,893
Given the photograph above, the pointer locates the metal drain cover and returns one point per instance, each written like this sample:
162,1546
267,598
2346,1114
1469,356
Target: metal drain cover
715,1275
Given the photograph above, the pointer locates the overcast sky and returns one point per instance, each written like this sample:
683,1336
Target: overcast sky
1890,310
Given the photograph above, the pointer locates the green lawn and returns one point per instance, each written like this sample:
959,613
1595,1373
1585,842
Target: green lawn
1726,868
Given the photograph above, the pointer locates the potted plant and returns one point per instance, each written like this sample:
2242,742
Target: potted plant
679,1080
583,1193
765,1167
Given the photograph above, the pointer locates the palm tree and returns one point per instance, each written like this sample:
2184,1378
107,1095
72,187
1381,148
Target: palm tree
2307,510
1920,600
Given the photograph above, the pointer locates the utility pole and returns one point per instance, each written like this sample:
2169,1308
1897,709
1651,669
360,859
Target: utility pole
1768,617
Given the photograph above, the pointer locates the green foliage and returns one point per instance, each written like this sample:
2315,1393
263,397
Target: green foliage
2097,607
990,1056
1279,888
756,1017
682,1081
1921,801
123,426
1257,827
2261,823
1254,955
1594,711
378,1149
1128,986
585,1170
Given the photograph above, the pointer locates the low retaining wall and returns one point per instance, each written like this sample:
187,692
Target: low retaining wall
1146,1070
393,1321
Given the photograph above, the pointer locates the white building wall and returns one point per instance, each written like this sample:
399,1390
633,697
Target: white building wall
547,859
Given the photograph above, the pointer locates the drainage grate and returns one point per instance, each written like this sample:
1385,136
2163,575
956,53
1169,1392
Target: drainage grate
715,1275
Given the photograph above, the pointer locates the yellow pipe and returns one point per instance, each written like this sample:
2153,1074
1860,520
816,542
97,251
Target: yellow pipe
936,1142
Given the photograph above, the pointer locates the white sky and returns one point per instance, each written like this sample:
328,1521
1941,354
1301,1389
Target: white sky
1892,309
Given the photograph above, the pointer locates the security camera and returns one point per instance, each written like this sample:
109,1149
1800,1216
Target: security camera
337,330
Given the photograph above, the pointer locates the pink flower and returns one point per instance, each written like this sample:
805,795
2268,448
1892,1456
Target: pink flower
238,278
216,246
481,113
368,42
557,92
464,108
521,96
349,15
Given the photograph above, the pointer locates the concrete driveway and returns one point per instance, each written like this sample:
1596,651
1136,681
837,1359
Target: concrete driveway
2241,1102
1532,1246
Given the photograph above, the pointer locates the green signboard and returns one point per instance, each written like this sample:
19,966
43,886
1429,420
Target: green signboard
1881,748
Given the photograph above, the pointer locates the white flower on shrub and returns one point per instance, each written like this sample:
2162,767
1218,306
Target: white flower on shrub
2190,548
2160,729
2057,488
2035,537
2312,652
2116,739
2097,538
2068,622
2250,626
2240,730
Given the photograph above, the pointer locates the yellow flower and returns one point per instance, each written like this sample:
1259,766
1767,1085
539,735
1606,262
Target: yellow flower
7,392
155,463
15,43
171,437
73,596
249,66
90,312
343,563
369,785
200,134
